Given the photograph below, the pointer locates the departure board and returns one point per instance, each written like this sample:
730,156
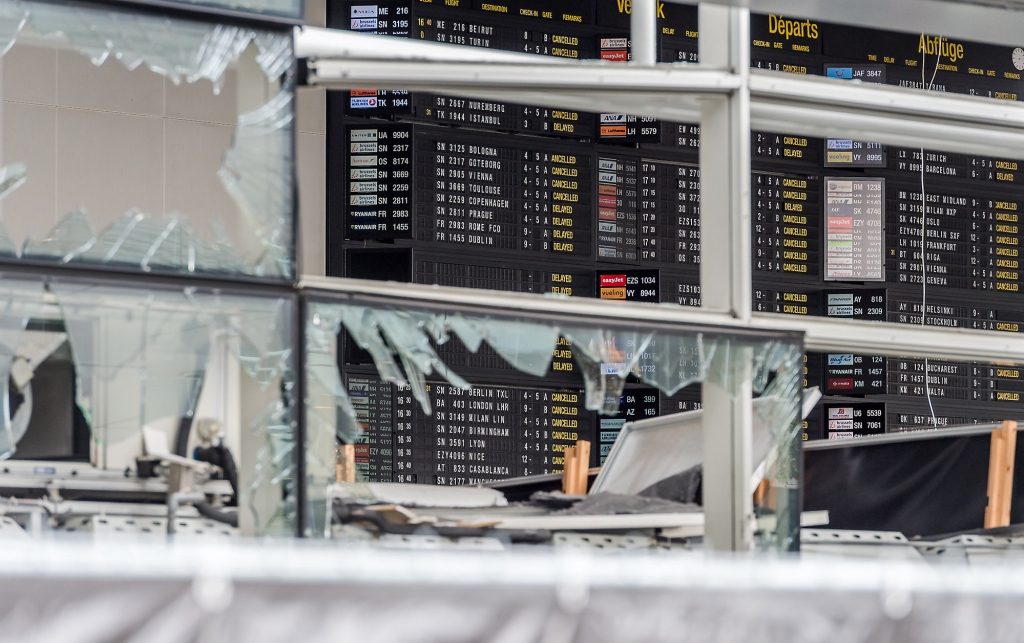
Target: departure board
449,190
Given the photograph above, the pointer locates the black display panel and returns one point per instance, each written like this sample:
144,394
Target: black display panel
921,488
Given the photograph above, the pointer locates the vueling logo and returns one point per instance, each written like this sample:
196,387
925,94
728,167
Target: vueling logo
939,46
794,28
626,5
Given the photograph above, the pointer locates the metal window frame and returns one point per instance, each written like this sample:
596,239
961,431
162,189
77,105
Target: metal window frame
728,99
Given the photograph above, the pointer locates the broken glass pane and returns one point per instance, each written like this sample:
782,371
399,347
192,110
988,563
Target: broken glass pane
70,238
179,158
140,360
457,397
12,177
606,358
263,193
18,303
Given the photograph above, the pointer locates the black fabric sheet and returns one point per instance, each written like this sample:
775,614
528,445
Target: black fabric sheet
920,488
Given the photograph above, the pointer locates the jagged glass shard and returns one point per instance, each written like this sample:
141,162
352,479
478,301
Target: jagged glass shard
68,239
606,358
274,469
120,239
435,325
19,300
329,409
258,331
218,256
13,16
777,374
275,53
406,336
526,346
467,332
361,324
140,357
179,50
7,246
384,333
257,173
222,45
12,176
673,362
145,241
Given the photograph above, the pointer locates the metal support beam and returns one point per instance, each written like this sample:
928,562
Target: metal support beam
725,276
643,28
894,115
728,500
781,102
822,334
725,166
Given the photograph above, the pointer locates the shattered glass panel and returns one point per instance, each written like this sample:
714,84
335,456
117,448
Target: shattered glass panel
140,359
156,361
177,159
463,398
18,303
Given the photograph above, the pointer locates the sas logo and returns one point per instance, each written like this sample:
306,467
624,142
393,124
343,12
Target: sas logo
840,413
840,360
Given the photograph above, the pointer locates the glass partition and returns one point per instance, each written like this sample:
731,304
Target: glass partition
145,143
111,377
449,396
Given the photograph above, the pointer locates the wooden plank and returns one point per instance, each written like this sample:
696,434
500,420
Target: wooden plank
582,466
568,470
1002,453
345,467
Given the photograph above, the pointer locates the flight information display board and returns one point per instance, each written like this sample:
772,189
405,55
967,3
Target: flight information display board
449,190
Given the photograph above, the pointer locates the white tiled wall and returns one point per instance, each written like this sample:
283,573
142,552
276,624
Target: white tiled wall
108,139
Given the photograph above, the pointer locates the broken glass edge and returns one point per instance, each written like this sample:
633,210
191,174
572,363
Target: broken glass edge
136,39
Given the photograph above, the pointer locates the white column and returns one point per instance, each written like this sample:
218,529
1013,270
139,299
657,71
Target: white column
643,27
725,279
725,165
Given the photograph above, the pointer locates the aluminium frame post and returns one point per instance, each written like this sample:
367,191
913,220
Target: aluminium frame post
643,31
725,278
